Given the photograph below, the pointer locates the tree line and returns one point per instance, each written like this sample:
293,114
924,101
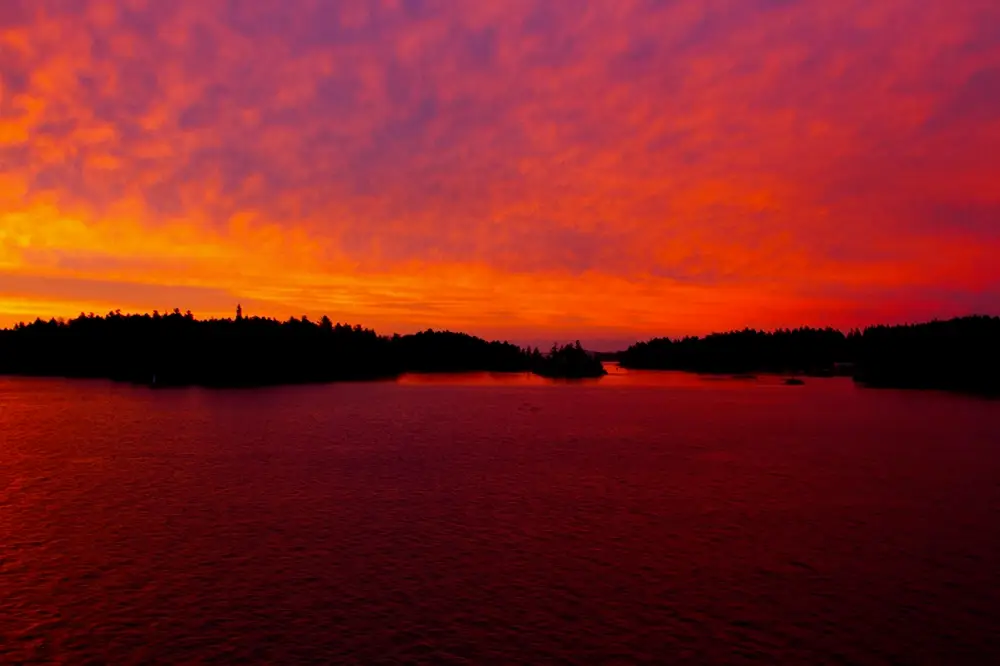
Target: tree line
180,349
959,354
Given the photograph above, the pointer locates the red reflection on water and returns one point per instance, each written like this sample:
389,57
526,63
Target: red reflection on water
644,517
617,377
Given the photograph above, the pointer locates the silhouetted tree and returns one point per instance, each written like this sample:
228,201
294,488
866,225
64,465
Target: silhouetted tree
959,354
568,361
179,349
446,351
800,350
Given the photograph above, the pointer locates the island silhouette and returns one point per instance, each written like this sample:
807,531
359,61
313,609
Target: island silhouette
178,349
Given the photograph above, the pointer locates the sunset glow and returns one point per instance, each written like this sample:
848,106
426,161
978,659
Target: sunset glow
514,168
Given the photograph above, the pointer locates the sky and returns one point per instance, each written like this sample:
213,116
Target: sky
525,169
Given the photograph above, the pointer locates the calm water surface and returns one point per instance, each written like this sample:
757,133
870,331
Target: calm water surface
642,518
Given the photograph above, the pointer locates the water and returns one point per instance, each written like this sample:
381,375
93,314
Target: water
642,518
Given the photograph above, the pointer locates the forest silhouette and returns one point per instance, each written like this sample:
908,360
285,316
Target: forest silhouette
178,349
957,354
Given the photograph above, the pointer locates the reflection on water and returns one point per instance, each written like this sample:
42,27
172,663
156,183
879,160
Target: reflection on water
644,517
617,377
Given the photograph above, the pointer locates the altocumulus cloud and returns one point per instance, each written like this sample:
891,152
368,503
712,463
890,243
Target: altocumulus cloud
627,166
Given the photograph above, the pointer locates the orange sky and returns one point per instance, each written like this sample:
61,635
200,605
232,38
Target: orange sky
515,168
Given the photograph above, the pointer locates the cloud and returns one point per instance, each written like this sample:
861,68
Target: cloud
717,163
110,295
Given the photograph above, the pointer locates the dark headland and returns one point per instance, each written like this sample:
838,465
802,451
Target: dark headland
178,349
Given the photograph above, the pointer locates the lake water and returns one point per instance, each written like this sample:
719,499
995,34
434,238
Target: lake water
644,517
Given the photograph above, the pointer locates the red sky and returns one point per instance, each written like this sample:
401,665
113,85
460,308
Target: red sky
516,168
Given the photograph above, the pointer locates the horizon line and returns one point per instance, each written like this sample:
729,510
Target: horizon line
241,314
